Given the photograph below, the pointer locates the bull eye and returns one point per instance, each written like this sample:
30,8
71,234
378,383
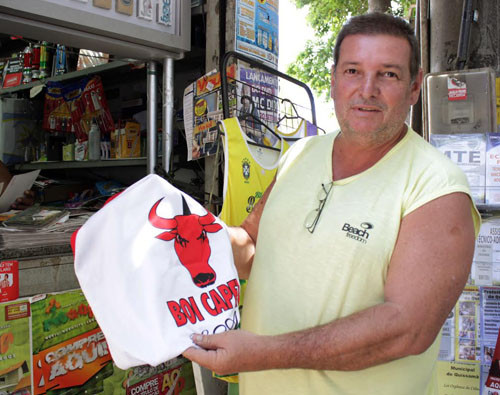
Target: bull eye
203,235
182,241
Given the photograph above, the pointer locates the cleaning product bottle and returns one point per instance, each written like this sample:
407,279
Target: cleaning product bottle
94,141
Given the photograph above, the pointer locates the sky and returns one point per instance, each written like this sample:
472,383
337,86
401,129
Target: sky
293,34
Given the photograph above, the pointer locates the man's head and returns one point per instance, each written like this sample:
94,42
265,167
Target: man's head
373,84
375,24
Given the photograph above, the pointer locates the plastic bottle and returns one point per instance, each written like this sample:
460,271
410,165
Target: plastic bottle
94,141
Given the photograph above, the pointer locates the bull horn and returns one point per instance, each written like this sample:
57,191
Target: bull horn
159,222
185,207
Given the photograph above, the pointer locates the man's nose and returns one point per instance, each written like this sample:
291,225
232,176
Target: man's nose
369,86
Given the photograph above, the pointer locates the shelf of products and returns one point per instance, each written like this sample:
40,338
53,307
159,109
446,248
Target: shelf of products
81,164
67,76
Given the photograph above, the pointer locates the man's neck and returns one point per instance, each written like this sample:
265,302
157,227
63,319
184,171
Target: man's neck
353,157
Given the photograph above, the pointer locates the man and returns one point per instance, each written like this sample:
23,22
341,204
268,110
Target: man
364,244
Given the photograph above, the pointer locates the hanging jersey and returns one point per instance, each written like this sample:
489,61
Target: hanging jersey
304,129
248,171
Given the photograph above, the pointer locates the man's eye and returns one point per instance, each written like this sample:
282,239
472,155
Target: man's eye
390,74
350,71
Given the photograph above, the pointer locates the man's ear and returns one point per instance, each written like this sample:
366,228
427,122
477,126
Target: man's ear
416,85
332,80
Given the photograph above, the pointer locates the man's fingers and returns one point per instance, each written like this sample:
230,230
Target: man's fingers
205,341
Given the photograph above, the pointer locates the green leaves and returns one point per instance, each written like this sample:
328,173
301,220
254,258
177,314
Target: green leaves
326,17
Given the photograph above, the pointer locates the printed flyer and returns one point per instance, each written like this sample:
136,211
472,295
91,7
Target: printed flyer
447,346
467,326
458,378
257,27
257,93
486,263
15,348
490,321
493,380
202,110
69,350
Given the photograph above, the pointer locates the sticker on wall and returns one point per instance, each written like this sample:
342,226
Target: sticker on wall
9,280
102,4
457,89
164,12
145,9
125,7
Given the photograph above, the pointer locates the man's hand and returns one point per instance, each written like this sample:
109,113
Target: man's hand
229,352
24,201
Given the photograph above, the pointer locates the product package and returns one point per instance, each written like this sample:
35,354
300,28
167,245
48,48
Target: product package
156,268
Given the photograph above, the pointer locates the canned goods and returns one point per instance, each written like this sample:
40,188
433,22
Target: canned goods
35,63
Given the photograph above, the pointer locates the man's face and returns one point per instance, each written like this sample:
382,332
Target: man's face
371,86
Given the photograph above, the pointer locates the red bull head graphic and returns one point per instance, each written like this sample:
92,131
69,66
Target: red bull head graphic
191,243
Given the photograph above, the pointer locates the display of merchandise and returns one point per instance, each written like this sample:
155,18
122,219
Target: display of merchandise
27,64
60,60
35,62
248,171
94,142
44,60
13,72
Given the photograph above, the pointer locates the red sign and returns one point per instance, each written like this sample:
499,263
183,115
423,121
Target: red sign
9,280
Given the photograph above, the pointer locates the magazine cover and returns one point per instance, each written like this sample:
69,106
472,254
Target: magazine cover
69,350
15,348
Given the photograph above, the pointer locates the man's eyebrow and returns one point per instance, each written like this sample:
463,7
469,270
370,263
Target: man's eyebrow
393,66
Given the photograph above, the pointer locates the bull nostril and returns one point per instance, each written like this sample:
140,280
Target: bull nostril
204,279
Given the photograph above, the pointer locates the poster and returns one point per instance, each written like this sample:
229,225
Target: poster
467,326
15,348
68,347
257,25
458,379
202,110
257,94
490,322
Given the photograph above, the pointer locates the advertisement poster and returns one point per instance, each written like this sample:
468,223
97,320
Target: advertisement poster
447,346
202,110
490,322
68,347
467,326
257,30
15,348
458,378
486,263
9,280
257,93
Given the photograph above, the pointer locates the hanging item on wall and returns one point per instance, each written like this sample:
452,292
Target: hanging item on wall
145,9
125,6
202,110
102,4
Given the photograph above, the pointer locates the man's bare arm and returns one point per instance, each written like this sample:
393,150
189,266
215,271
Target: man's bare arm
427,273
244,237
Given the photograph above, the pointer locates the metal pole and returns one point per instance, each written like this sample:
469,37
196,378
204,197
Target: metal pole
152,128
168,111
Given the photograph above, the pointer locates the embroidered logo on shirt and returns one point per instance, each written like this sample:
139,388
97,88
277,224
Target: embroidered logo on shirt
245,165
360,234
